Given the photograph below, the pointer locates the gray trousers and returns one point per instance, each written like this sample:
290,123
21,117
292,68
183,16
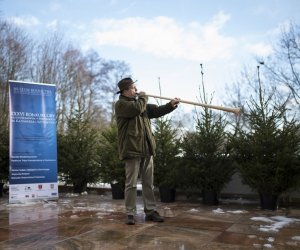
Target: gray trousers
133,167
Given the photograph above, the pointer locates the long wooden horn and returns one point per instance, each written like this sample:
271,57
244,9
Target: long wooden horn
236,111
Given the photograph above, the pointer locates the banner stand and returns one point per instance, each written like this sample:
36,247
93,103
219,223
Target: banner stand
33,142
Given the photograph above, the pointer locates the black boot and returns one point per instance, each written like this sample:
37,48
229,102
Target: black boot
130,220
154,216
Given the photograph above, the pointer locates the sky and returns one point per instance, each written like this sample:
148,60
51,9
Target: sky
165,42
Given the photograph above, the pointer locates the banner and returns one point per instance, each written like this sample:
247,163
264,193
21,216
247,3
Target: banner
33,146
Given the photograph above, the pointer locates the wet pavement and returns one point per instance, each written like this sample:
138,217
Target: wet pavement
97,222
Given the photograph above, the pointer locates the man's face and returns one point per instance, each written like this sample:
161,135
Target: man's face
131,92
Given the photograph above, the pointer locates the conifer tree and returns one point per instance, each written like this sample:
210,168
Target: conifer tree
267,150
78,153
206,152
167,150
112,168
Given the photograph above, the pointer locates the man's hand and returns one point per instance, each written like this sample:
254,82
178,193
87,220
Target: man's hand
142,93
175,102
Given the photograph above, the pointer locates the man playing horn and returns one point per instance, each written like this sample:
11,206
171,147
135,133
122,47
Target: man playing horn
137,145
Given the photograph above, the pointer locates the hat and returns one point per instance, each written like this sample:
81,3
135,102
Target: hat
124,84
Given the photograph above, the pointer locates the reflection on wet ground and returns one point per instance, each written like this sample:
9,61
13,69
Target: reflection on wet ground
97,222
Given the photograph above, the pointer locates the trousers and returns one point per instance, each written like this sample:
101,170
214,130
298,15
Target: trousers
134,167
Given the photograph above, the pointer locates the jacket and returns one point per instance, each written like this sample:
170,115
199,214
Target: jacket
135,135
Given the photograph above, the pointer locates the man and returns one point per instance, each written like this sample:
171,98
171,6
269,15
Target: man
137,145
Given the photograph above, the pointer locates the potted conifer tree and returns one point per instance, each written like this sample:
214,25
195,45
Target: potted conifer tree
267,149
206,155
78,153
166,159
112,168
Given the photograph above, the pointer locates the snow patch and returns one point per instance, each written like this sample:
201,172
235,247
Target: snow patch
296,238
71,195
257,245
268,245
89,209
263,219
292,243
237,211
277,222
218,211
221,211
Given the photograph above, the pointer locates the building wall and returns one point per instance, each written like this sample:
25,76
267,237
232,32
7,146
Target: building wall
236,187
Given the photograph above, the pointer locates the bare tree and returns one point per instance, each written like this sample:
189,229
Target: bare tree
14,51
240,93
284,66
84,82
89,85
279,73
119,69
46,60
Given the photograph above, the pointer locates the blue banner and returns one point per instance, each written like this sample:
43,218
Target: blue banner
33,144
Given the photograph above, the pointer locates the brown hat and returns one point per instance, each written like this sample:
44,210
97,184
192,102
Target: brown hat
124,84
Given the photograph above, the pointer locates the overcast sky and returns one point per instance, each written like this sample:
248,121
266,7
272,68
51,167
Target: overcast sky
166,39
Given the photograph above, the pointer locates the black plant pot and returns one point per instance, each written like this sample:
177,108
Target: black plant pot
78,188
117,191
167,194
269,201
210,197
1,189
